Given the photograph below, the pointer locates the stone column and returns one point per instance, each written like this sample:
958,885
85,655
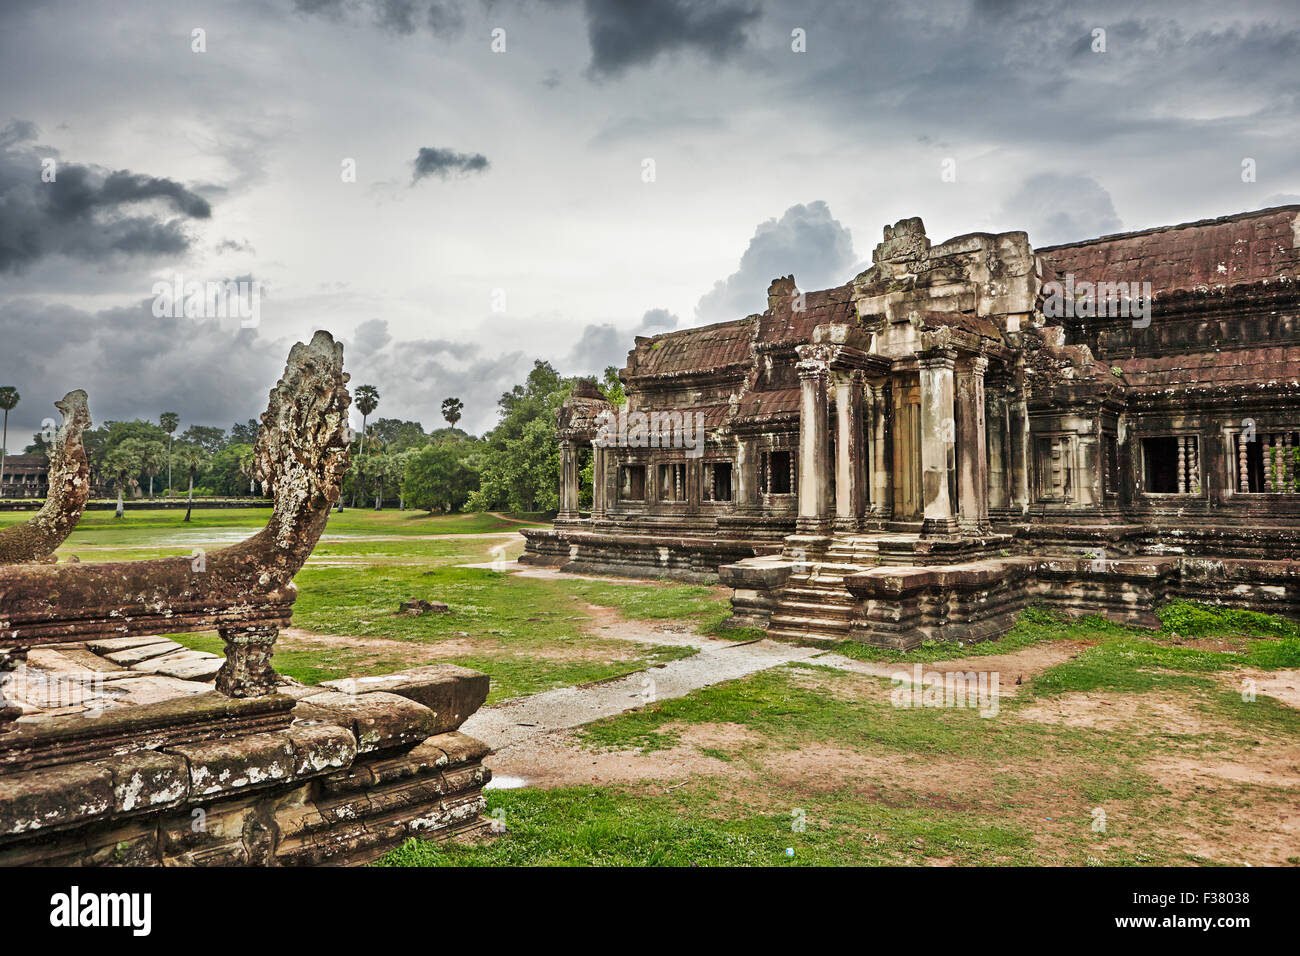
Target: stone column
938,429
814,468
882,476
972,451
996,411
568,481
598,456
850,453
1019,417
746,469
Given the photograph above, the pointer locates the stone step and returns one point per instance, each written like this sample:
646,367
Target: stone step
796,627
819,596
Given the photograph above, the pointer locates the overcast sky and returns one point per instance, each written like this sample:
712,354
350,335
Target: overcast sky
618,168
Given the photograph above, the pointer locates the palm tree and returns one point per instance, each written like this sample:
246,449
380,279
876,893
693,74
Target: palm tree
9,397
367,402
247,468
451,409
123,463
169,421
152,458
367,399
191,458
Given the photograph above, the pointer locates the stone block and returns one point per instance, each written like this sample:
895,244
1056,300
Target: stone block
379,720
451,692
220,766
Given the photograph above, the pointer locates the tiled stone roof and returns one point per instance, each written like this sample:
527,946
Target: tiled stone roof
1246,248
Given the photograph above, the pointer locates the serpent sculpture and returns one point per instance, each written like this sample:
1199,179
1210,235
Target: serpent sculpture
246,591
36,539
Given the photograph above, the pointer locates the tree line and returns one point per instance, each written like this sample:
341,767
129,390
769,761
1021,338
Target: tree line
514,466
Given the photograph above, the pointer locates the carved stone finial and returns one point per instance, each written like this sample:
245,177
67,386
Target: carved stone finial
36,539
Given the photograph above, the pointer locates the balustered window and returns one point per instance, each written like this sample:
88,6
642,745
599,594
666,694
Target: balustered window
1267,462
672,482
631,483
717,481
1171,465
1054,466
776,472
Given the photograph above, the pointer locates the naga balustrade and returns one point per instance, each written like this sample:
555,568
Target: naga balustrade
246,591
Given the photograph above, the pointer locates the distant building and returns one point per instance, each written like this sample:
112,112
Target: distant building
962,429
25,476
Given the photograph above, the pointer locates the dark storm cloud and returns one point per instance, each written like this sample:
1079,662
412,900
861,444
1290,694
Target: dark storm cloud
807,241
434,161
1055,208
133,364
1026,73
86,212
628,33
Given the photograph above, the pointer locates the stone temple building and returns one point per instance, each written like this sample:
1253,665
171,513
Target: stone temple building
966,428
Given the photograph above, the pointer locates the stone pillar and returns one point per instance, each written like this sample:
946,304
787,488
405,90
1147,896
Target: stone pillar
938,430
850,453
247,671
972,451
814,467
598,456
1019,417
882,475
568,481
996,430
746,468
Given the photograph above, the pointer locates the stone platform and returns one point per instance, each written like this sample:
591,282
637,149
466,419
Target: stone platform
116,760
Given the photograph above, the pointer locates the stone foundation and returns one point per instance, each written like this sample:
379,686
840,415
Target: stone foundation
336,774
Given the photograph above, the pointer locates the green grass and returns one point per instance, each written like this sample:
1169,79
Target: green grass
589,826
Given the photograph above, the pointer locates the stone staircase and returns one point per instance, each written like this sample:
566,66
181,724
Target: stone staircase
814,602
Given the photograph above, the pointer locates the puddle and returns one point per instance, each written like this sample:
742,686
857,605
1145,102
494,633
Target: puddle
505,783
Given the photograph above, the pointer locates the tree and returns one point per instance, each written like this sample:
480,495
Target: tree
367,402
245,434
208,437
224,475
451,409
440,476
9,399
192,458
520,458
395,435
123,464
153,455
169,421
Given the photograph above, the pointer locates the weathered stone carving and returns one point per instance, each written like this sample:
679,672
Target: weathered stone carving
69,488
245,591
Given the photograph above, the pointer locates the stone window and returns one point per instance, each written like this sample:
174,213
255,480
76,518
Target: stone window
672,482
1054,466
1110,462
631,482
717,481
776,472
1171,465
1267,462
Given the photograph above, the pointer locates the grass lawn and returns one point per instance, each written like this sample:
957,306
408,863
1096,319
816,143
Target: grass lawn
808,765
